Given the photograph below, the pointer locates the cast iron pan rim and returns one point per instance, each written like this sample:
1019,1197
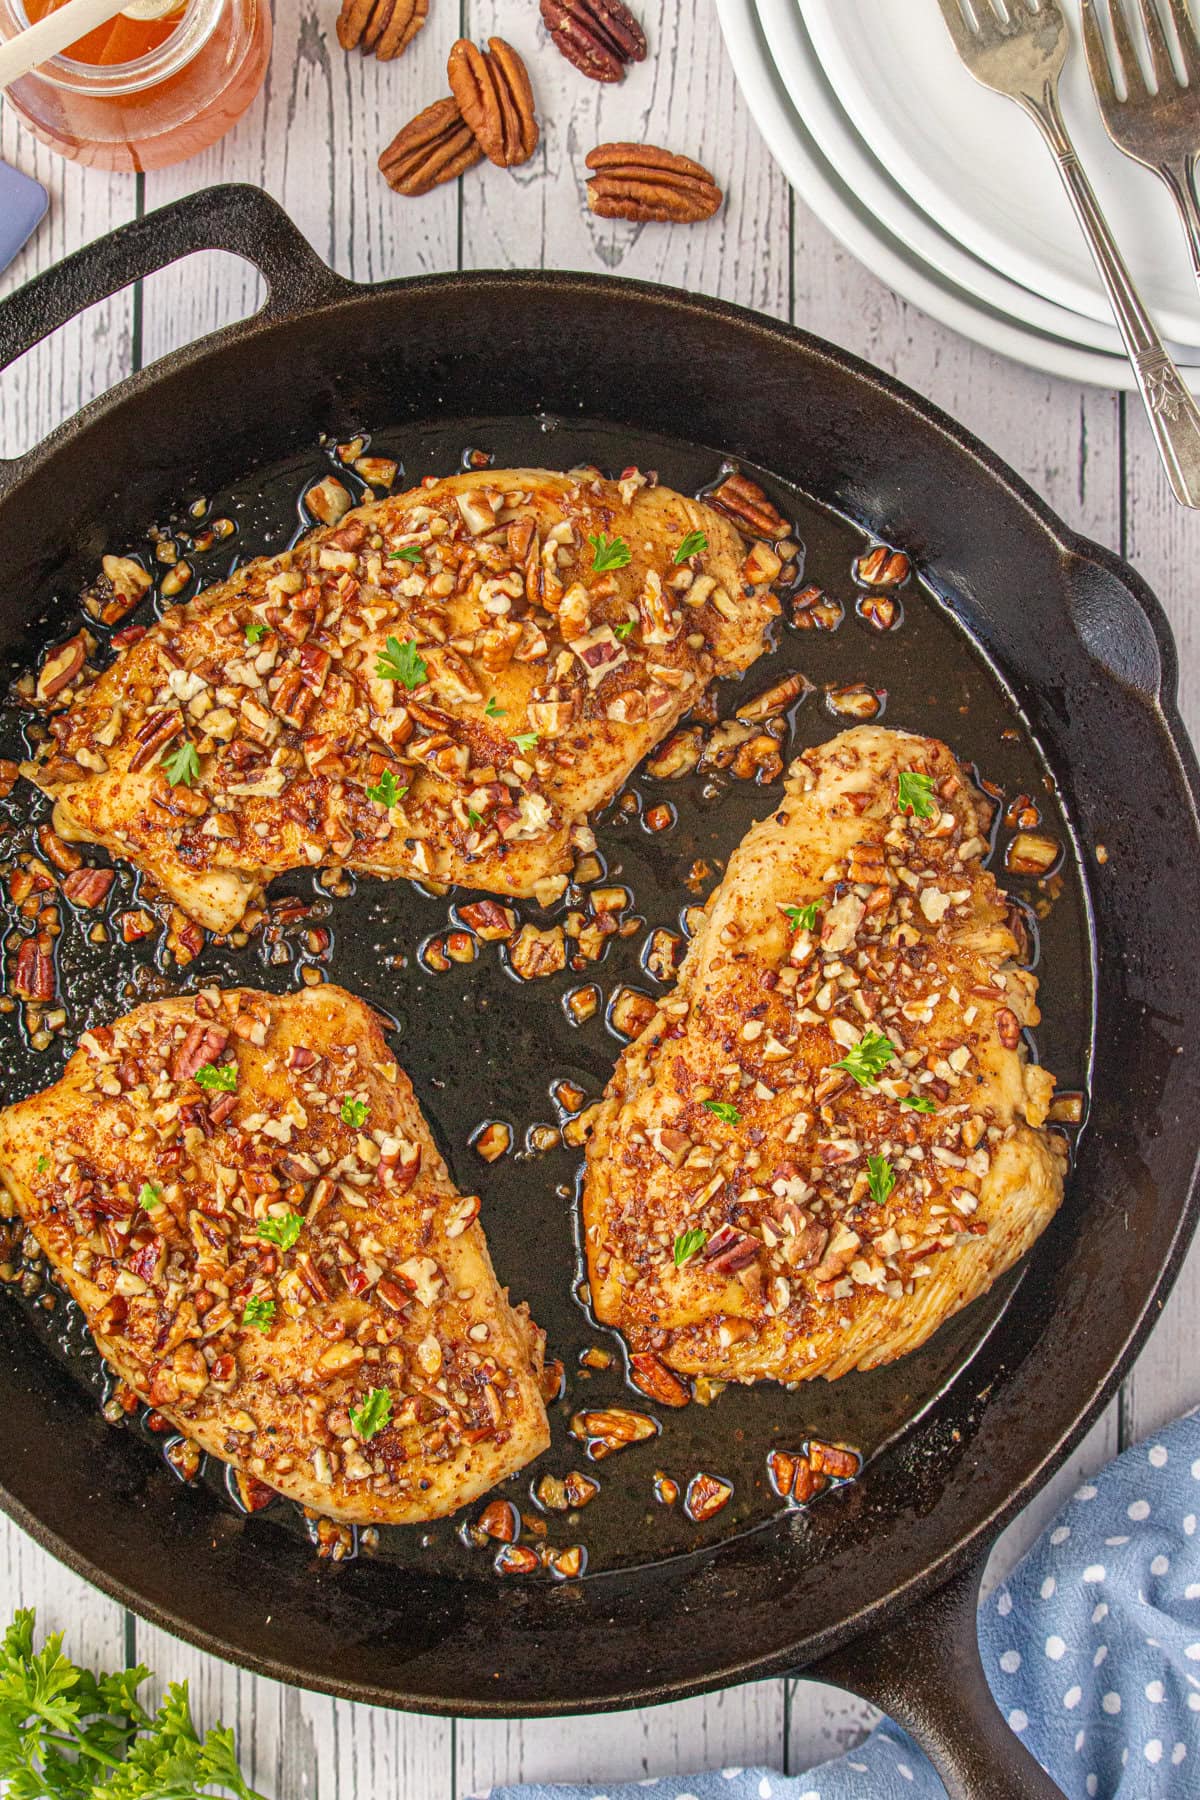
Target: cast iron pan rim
332,293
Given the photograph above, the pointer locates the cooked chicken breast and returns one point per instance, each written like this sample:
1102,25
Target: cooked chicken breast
443,685
828,1140
241,1193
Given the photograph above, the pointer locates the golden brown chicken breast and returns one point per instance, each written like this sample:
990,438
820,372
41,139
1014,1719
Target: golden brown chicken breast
443,685
828,1140
241,1193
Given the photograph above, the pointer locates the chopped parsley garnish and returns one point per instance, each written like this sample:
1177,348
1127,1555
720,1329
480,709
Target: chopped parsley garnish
692,545
387,790
492,711
868,1059
183,765
609,553
915,794
401,662
411,553
727,1113
917,1103
525,741
354,1112
259,1313
473,817
687,1245
624,629
256,630
150,1195
43,1163
281,1228
881,1179
374,1413
218,1078
803,918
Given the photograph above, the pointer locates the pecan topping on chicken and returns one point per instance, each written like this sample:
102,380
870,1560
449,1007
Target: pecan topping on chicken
442,684
829,1137
241,1193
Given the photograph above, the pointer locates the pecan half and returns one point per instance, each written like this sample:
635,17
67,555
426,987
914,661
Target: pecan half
382,27
646,184
598,36
743,501
434,147
494,97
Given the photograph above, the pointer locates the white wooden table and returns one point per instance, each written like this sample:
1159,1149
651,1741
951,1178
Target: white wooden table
312,141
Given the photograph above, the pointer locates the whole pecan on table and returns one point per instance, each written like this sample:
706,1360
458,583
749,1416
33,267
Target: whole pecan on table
383,28
649,185
434,147
600,37
494,97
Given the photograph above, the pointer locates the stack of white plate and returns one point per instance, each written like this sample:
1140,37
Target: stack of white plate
947,192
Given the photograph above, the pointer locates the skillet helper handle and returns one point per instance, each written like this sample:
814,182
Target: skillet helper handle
925,1673
235,217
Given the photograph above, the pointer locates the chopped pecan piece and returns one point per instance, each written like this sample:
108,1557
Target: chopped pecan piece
745,503
832,1459
493,94
61,667
706,1495
646,184
656,1381
489,920
882,567
1029,853
611,1429
568,1564
517,1559
539,953
500,1521
599,37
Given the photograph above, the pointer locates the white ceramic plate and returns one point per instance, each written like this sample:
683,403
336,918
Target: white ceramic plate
835,204
973,162
830,128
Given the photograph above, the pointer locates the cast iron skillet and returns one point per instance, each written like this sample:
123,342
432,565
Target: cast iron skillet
874,1586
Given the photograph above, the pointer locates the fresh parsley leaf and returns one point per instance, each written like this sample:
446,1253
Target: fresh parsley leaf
150,1195
411,553
609,553
881,1178
868,1059
687,1245
401,662
728,1114
474,817
183,765
43,1163
803,918
354,1112
387,790
917,1103
256,630
692,545
624,629
281,1229
492,711
218,1078
374,1413
525,741
915,794
259,1314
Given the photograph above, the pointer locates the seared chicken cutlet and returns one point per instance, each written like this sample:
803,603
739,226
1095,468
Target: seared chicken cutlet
443,685
828,1140
241,1193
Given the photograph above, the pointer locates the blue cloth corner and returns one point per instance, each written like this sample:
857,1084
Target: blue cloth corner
1092,1650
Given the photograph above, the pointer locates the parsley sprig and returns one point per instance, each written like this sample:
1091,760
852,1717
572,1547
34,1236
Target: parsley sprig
218,1078
687,1245
492,711
608,553
372,1415
867,1060
354,1112
526,741
387,790
402,662
256,631
917,1103
725,1111
692,545
914,793
281,1229
183,765
624,629
411,553
881,1179
150,1195
66,1734
258,1313
803,918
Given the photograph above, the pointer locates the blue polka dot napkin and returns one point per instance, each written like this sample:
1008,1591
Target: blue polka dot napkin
1092,1649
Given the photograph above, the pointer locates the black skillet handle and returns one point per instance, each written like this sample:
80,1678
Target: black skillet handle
924,1671
238,218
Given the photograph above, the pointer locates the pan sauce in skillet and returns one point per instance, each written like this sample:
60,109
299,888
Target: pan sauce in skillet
481,1045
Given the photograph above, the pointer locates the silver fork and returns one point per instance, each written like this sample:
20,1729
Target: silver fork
1020,53
1162,129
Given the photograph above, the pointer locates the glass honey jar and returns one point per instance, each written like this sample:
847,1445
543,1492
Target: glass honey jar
141,94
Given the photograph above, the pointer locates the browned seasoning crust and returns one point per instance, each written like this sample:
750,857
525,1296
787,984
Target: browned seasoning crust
517,633
802,1272
387,1286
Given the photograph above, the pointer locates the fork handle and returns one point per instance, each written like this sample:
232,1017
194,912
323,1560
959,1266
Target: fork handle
1173,414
